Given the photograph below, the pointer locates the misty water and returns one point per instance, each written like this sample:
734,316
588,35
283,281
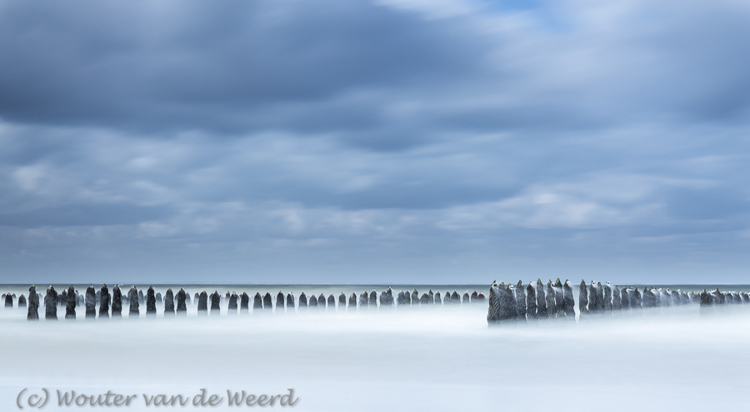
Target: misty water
436,358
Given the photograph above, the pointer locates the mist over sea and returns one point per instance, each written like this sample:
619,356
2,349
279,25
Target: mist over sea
435,358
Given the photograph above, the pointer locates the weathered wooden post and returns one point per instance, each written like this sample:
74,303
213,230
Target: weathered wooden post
685,298
493,313
244,302
520,296
90,302
257,302
169,303
512,305
70,308
267,302
104,299
342,301
8,301
616,300
312,302
116,302
232,305
302,301
438,299
663,297
569,303
583,298
363,300
531,309
353,301
635,301
280,302
33,310
607,297
719,298
150,302
22,301
203,303
714,297
649,299
322,301
625,298
216,303
134,301
290,301
559,304
551,301
182,298
331,302
593,303
541,301
675,297
50,304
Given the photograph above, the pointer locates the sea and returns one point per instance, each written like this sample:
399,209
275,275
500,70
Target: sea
421,357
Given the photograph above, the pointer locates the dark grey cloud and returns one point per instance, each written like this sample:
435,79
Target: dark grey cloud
84,215
352,141
218,67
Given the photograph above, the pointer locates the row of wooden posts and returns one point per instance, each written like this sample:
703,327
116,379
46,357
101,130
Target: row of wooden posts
177,303
518,302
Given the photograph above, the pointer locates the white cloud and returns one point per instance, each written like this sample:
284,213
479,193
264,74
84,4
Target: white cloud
29,177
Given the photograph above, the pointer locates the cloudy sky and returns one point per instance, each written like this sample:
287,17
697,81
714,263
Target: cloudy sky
443,141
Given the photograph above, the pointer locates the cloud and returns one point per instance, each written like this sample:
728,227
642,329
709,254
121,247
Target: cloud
357,141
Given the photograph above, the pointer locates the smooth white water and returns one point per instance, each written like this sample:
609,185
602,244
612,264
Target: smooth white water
436,358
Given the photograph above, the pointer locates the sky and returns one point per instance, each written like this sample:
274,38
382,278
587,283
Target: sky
394,141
